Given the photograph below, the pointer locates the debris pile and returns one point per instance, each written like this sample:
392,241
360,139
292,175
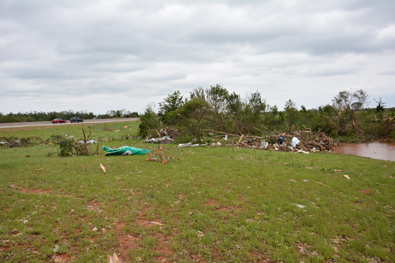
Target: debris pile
162,136
302,141
13,142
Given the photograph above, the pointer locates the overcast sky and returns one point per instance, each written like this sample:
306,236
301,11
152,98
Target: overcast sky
103,55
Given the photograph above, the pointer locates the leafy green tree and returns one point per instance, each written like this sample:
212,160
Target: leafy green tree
191,117
256,103
216,98
250,116
234,105
198,93
171,103
149,121
291,112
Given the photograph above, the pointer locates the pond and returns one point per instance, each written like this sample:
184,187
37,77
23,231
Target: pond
375,150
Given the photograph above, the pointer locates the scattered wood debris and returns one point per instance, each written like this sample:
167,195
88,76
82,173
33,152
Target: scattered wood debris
301,141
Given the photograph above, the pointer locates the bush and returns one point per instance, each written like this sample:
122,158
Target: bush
149,121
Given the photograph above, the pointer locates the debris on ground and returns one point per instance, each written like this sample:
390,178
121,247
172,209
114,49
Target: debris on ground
164,139
161,156
200,234
163,136
323,184
13,142
113,259
302,141
299,142
365,192
300,206
88,142
189,144
103,168
124,150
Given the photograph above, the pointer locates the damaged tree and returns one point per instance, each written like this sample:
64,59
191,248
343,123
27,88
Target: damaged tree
192,117
346,103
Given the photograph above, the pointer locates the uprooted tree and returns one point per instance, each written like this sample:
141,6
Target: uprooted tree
346,103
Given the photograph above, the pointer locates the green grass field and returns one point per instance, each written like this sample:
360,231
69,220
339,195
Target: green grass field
206,205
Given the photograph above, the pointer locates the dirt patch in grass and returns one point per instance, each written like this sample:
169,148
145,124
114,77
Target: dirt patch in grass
62,258
30,191
240,198
211,202
261,258
125,242
162,247
5,245
216,255
93,206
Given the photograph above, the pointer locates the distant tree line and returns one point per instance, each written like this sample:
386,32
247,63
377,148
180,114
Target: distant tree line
48,116
218,109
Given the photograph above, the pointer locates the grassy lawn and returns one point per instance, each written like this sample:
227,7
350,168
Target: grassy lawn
206,205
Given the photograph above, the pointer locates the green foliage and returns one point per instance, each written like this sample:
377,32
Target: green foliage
198,93
234,104
149,121
351,101
171,103
380,105
291,111
66,115
217,115
70,146
43,116
256,103
66,147
191,117
119,114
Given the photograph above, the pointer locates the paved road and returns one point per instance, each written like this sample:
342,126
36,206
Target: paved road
46,123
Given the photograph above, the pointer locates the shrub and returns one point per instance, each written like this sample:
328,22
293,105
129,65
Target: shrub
149,121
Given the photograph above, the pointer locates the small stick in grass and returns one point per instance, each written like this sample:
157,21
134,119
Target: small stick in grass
323,184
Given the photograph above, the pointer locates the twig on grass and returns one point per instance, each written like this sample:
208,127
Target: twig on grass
323,184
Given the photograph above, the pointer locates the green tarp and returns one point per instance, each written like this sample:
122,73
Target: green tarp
124,150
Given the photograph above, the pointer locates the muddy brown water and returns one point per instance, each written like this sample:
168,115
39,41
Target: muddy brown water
375,150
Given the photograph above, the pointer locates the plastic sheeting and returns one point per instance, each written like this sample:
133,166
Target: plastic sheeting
295,141
124,150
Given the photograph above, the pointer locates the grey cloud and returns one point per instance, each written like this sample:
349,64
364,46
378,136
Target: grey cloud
148,49
387,72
